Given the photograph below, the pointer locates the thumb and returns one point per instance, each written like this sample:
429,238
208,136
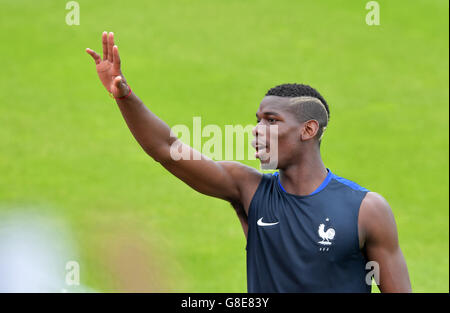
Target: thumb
118,81
120,86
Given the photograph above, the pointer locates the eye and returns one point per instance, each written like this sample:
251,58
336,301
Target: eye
271,120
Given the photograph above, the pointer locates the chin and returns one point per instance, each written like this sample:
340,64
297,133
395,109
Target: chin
268,165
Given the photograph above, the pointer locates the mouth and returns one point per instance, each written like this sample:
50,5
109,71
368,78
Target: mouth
262,149
262,153
258,144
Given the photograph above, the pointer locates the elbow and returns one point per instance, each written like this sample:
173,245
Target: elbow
166,152
160,154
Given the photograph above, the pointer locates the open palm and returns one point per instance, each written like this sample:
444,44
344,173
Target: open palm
108,68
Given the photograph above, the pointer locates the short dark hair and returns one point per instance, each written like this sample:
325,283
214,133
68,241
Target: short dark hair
308,109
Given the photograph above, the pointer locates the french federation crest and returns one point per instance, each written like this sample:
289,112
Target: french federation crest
326,234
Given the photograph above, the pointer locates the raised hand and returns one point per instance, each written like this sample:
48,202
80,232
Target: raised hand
108,68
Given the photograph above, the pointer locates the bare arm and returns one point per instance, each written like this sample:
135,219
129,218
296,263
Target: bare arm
231,181
381,243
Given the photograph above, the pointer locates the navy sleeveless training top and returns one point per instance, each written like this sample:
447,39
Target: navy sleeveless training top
305,243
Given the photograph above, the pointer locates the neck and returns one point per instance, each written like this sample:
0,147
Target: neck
305,175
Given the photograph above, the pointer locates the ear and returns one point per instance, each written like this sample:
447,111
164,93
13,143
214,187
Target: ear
309,130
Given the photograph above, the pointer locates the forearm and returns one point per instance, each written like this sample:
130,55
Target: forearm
150,131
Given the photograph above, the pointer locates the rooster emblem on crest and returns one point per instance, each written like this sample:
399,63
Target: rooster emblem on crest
326,235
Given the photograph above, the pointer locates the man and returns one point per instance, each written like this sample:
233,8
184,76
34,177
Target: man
307,229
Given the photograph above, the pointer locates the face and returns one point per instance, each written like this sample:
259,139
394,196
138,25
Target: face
277,133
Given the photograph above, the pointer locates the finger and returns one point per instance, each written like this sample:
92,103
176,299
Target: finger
116,58
94,55
105,45
110,46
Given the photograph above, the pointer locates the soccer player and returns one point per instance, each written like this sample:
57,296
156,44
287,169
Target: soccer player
307,229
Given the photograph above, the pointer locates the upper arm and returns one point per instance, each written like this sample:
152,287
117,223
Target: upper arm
381,243
228,180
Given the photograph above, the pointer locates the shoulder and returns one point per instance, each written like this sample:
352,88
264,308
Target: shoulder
348,183
375,217
375,205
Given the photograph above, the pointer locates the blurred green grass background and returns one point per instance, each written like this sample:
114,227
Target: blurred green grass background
65,150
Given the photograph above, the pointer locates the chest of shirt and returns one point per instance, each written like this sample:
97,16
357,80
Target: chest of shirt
306,229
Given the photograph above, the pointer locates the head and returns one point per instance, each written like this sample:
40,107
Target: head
300,115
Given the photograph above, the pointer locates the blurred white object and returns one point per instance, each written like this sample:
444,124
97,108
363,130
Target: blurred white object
34,252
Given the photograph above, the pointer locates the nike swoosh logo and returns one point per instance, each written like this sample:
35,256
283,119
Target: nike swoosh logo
261,223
